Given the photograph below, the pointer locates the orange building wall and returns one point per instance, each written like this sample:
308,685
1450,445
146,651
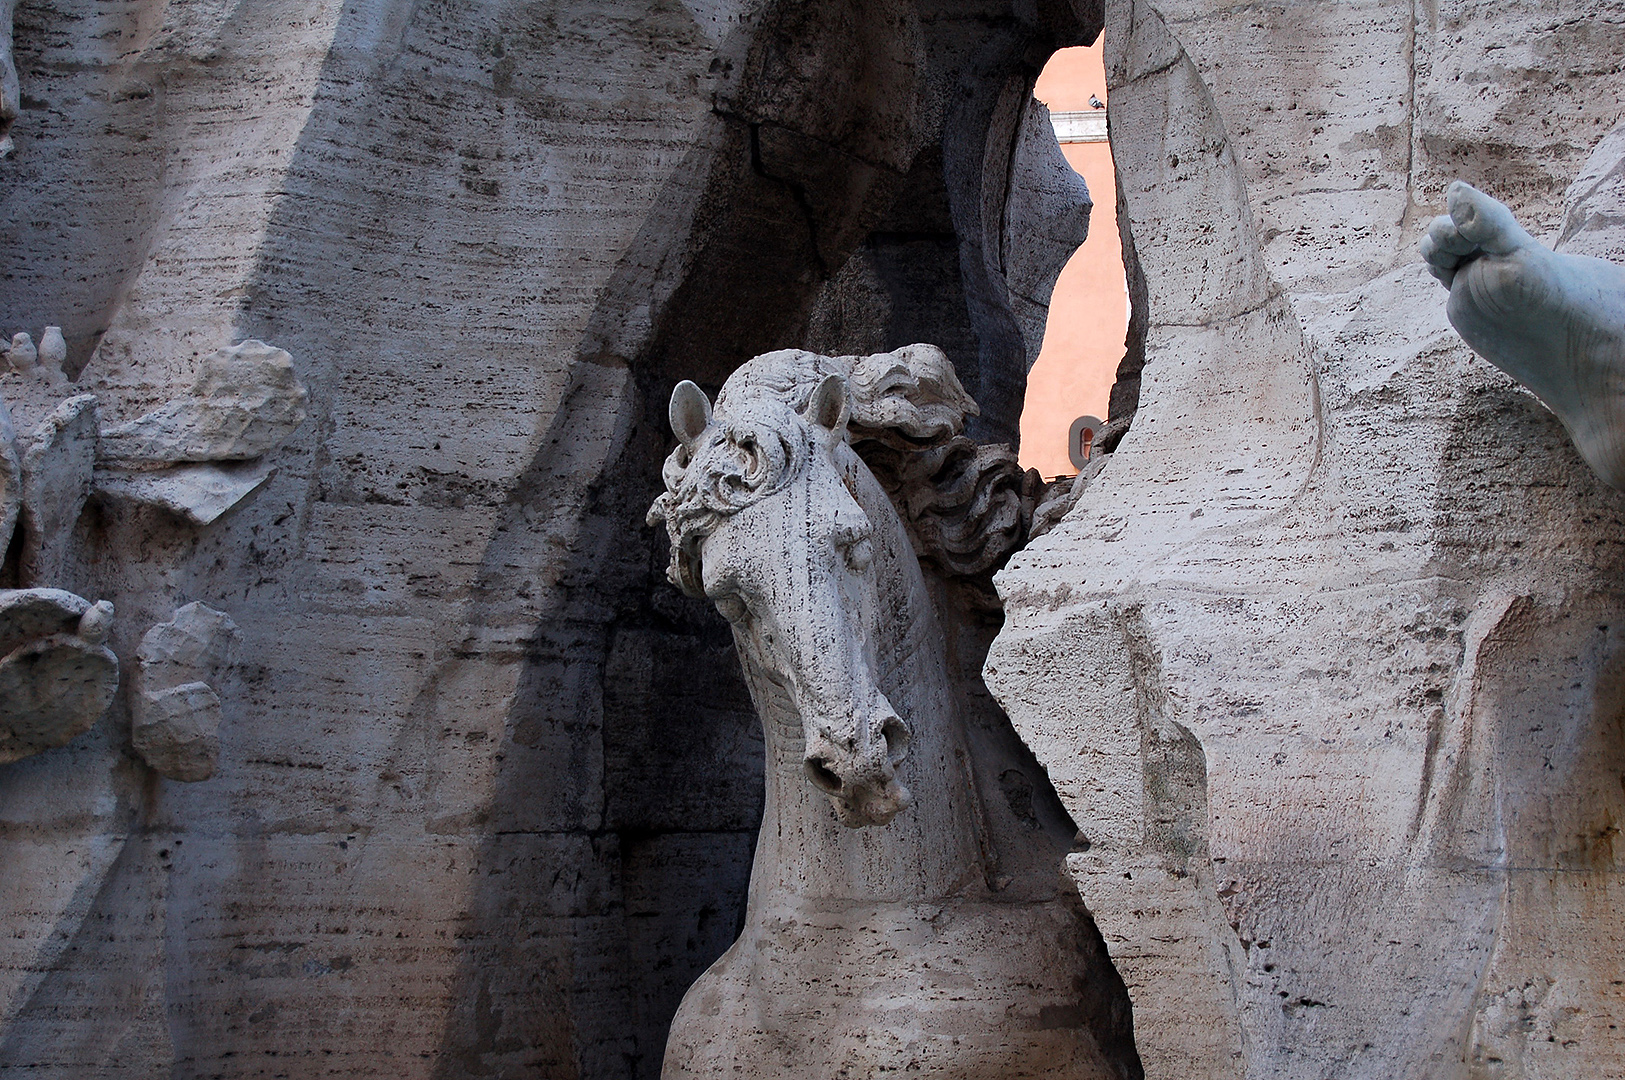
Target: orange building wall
1088,313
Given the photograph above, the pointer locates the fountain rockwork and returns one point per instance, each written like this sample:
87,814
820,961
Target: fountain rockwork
1325,662
1322,662
486,788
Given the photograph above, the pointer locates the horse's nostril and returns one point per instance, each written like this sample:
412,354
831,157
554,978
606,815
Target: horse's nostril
895,732
822,776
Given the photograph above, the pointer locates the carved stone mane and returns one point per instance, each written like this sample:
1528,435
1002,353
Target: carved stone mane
967,506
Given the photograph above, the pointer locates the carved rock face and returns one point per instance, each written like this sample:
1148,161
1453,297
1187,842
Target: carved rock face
246,401
54,683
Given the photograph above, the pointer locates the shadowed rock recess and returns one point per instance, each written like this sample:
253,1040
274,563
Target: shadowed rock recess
482,796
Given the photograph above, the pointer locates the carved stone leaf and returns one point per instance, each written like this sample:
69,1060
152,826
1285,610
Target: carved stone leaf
26,614
200,493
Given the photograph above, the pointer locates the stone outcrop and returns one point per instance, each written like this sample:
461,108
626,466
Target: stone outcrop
246,402
1323,659
174,711
58,466
494,236
57,677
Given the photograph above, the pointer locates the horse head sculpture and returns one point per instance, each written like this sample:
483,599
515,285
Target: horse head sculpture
801,505
764,521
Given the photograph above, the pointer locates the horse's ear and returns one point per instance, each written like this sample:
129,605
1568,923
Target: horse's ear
689,413
827,406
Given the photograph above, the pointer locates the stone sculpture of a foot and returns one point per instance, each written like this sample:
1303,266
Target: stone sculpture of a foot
1554,322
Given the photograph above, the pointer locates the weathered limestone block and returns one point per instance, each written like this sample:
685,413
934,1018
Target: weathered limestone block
56,676
246,401
1322,661
175,713
58,465
200,493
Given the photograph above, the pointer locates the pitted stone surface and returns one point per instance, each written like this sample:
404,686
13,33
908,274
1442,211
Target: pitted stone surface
1323,660
58,463
54,684
177,730
493,236
246,402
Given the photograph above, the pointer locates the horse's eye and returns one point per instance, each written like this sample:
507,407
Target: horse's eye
732,607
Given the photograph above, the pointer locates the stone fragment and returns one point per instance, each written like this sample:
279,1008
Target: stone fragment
97,622
200,493
194,644
175,713
53,684
58,463
22,355
246,401
176,731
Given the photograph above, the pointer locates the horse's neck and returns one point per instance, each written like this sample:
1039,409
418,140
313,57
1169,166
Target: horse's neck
931,850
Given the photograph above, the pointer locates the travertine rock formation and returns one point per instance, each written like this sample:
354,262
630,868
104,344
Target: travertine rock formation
56,676
485,801
1324,661
174,711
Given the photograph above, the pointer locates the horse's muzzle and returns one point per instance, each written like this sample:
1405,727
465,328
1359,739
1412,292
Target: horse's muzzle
861,781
